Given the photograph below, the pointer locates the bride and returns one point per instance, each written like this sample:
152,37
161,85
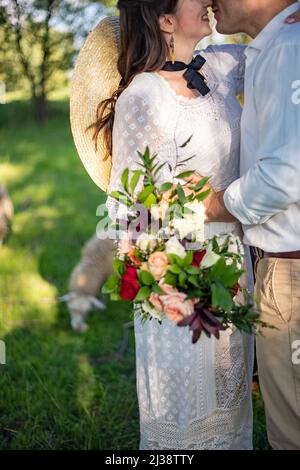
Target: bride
190,396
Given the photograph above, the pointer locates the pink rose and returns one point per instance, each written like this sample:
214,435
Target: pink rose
156,302
168,289
176,307
158,263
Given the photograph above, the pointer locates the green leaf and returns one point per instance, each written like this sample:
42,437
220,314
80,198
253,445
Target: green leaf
152,159
157,289
192,293
200,185
165,187
171,279
181,195
182,279
186,142
202,196
251,316
147,154
194,280
135,179
181,163
120,197
145,193
111,284
115,296
146,278
221,297
188,259
159,168
175,259
175,269
192,270
150,201
185,174
124,179
143,293
226,274
119,267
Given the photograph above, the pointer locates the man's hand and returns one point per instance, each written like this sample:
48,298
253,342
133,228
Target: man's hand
216,210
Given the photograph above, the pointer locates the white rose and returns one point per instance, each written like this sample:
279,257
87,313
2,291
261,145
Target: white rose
197,207
174,247
146,241
190,223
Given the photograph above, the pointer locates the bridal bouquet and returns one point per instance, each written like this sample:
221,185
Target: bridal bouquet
164,264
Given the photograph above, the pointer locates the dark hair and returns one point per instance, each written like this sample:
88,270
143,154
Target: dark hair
142,49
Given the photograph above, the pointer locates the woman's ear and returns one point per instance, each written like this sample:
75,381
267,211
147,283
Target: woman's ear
166,24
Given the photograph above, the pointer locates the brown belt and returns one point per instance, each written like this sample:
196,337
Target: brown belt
288,254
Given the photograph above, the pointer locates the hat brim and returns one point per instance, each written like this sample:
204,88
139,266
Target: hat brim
95,79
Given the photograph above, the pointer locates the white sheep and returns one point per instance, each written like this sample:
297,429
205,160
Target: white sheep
86,280
6,214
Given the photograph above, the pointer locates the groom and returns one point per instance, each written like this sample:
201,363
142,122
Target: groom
266,198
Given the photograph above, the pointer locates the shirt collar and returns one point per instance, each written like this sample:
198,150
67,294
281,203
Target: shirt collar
271,29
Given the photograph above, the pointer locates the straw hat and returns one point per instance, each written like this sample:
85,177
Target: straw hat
95,78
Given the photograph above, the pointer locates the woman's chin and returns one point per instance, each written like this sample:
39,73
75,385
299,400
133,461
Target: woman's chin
206,30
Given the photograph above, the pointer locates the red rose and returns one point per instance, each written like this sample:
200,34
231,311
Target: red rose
198,257
129,284
130,273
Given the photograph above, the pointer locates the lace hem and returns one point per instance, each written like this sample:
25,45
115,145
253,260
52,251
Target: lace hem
217,432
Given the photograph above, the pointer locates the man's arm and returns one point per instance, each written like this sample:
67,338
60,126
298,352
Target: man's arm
273,183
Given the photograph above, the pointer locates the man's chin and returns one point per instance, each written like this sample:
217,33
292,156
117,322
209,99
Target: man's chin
223,29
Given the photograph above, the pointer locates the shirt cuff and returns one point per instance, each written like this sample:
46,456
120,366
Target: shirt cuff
234,204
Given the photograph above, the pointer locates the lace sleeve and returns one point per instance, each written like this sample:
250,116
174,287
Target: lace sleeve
136,126
229,60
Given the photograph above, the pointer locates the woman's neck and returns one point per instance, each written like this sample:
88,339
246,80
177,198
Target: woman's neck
184,53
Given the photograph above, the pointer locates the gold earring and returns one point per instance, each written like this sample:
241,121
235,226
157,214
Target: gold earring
172,50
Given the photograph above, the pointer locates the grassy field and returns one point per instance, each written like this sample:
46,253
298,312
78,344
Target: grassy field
58,390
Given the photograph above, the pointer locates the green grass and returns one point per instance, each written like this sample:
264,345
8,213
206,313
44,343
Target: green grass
58,390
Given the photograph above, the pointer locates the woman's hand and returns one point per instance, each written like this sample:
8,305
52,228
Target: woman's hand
294,18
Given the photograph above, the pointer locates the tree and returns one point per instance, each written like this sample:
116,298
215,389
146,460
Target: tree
41,35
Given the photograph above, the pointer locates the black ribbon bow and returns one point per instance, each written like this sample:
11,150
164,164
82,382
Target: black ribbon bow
195,81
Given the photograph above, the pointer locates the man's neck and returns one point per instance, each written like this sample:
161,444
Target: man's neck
262,17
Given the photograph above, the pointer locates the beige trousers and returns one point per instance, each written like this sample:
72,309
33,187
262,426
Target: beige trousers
277,293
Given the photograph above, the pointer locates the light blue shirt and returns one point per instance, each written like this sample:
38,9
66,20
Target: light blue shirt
266,198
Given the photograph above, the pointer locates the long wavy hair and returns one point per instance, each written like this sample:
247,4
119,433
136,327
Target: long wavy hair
143,48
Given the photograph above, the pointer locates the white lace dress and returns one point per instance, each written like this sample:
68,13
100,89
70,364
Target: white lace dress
190,396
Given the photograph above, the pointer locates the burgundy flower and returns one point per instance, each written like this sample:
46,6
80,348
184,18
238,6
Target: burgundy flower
203,320
198,257
234,290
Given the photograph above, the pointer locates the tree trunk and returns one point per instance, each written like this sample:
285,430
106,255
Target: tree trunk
40,109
